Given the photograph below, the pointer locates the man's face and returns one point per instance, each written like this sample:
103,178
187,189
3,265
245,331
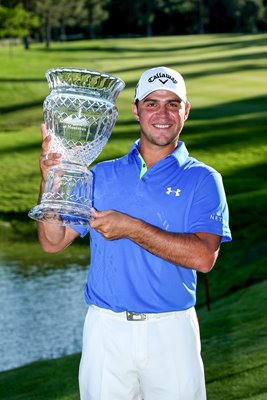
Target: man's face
161,116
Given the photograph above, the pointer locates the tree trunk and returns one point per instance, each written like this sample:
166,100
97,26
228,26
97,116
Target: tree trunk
47,33
149,29
26,42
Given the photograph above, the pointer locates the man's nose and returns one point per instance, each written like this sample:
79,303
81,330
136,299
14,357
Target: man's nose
163,110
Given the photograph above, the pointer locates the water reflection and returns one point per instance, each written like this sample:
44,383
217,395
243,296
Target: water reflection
42,312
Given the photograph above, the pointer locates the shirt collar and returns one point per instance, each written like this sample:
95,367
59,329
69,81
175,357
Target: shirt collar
180,153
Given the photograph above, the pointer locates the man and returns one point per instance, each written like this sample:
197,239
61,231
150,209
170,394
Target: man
159,217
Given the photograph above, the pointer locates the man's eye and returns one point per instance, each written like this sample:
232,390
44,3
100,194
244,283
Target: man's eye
174,105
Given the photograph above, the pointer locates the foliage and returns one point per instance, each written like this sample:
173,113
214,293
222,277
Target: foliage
70,19
58,17
16,22
146,14
249,13
97,14
186,16
59,14
235,16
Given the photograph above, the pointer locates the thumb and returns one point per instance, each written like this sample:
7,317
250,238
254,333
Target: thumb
95,213
99,214
44,131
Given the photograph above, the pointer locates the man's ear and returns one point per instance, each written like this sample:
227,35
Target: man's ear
135,112
187,110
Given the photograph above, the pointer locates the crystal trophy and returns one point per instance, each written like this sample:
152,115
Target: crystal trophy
79,114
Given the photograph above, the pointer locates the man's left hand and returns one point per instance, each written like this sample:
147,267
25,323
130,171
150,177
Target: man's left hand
110,224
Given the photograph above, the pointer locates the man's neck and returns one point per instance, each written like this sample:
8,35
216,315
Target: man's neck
152,154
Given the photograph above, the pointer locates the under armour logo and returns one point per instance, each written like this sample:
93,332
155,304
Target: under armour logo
175,191
166,80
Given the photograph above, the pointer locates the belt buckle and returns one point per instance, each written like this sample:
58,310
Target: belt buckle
133,316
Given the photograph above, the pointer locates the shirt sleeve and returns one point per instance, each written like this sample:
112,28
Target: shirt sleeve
209,212
82,230
75,224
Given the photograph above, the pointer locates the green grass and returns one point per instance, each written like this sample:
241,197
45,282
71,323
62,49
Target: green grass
235,354
53,379
226,82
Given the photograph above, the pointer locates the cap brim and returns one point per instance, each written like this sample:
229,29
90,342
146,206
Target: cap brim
182,98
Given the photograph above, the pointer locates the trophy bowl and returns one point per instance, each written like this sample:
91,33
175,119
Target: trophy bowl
79,114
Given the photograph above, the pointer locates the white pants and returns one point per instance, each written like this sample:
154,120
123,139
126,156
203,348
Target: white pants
155,359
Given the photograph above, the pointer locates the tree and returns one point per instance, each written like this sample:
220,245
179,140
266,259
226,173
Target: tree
97,14
236,15
71,14
59,14
182,16
17,22
144,13
248,15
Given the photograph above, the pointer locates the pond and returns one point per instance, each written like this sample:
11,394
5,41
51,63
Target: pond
42,312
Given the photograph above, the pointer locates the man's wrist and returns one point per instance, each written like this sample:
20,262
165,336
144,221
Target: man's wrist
136,228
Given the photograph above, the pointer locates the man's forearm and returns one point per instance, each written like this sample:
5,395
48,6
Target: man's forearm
194,250
52,237
188,250
48,234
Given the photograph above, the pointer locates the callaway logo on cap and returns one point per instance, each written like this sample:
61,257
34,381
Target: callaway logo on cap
160,78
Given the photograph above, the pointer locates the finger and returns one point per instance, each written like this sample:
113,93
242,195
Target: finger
93,212
51,158
97,223
99,214
46,145
46,139
45,157
43,131
93,220
94,224
103,213
47,162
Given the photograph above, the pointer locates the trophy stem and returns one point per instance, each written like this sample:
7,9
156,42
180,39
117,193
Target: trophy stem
67,198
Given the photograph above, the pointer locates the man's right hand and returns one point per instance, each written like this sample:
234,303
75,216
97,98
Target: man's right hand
52,237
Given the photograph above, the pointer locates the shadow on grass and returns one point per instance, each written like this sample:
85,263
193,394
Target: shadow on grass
225,137
213,135
237,43
249,66
233,108
22,80
246,179
21,106
53,379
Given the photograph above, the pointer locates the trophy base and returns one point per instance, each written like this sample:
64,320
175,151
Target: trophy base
61,214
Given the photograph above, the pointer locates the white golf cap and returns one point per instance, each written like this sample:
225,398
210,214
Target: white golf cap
160,78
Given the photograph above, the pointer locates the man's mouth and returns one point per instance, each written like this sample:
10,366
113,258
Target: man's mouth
161,126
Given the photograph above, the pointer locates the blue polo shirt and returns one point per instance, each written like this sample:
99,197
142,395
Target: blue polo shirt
177,194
